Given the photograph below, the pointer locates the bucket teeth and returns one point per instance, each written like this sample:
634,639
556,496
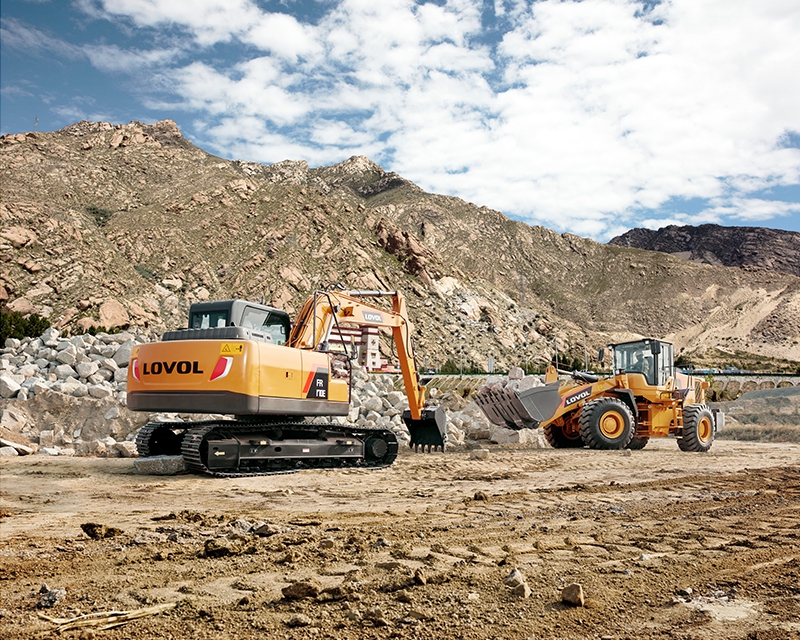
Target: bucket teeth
429,431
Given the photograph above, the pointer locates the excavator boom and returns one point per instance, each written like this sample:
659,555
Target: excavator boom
320,318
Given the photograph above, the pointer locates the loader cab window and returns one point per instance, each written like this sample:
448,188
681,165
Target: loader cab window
665,366
209,320
636,357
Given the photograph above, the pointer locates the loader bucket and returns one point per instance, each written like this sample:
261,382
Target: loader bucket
429,431
519,409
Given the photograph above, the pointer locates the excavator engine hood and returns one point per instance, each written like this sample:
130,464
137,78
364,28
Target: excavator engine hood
430,430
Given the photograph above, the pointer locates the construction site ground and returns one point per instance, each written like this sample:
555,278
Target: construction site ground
665,545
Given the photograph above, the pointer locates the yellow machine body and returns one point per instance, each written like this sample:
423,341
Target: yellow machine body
242,377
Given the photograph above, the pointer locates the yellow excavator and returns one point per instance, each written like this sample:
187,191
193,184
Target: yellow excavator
249,361
645,397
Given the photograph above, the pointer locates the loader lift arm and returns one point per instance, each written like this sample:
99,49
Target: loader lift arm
319,318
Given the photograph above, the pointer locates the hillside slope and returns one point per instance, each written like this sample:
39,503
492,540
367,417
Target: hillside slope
128,224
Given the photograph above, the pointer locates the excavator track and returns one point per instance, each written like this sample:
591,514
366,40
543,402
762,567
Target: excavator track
366,448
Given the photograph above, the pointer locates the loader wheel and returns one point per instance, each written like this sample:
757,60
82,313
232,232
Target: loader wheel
638,443
558,439
606,423
697,433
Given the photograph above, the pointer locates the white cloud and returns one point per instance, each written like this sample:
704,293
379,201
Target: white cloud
584,115
32,41
111,58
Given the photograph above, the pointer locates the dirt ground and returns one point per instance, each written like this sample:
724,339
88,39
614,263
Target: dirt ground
664,544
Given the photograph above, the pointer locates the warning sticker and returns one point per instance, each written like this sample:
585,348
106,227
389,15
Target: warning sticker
231,348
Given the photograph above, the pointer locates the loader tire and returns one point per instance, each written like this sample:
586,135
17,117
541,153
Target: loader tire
697,434
558,439
638,443
606,423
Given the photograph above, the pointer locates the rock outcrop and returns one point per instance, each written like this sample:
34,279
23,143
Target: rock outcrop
749,247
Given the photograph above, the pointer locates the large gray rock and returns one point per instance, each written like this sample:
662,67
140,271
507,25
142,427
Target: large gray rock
123,354
8,386
372,404
64,371
86,369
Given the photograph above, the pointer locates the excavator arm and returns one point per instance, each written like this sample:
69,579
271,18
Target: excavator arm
320,317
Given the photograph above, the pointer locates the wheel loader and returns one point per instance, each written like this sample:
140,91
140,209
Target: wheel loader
250,362
644,398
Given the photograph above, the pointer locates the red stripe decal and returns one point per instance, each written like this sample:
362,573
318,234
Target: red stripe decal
309,379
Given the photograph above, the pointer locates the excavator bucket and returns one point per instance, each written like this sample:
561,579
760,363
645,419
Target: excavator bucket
515,409
429,431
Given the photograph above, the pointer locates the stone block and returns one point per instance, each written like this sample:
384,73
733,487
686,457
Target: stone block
8,386
126,449
100,392
86,369
123,354
64,371
13,420
160,465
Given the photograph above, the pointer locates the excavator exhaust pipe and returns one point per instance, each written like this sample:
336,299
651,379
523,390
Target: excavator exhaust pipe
430,431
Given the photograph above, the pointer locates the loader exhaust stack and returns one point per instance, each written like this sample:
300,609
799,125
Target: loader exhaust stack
429,431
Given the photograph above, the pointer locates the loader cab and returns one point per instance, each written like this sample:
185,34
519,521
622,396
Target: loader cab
651,358
266,323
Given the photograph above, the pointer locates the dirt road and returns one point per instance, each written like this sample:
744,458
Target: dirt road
664,544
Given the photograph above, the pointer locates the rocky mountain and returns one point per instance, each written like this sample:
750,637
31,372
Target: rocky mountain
126,225
747,247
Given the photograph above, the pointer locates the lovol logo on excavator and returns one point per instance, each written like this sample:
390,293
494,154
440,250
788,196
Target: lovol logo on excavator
577,397
183,367
372,316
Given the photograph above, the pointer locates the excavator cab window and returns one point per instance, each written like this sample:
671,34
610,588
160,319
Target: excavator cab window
274,325
209,320
277,327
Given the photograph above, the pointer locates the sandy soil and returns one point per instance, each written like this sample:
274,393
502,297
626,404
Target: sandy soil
420,550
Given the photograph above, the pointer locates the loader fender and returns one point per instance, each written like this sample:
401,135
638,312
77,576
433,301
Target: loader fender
626,395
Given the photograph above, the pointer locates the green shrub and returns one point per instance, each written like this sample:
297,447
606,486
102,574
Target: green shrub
101,216
13,324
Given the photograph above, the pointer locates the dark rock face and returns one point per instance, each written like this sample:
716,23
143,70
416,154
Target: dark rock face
729,246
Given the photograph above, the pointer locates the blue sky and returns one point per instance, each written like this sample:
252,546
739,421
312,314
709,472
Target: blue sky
590,117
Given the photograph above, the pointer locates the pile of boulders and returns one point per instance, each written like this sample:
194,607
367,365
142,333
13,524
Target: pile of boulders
378,400
66,396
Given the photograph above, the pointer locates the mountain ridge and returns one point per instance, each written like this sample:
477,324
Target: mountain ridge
746,247
128,224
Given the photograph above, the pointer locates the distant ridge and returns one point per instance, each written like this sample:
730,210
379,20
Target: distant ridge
746,247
